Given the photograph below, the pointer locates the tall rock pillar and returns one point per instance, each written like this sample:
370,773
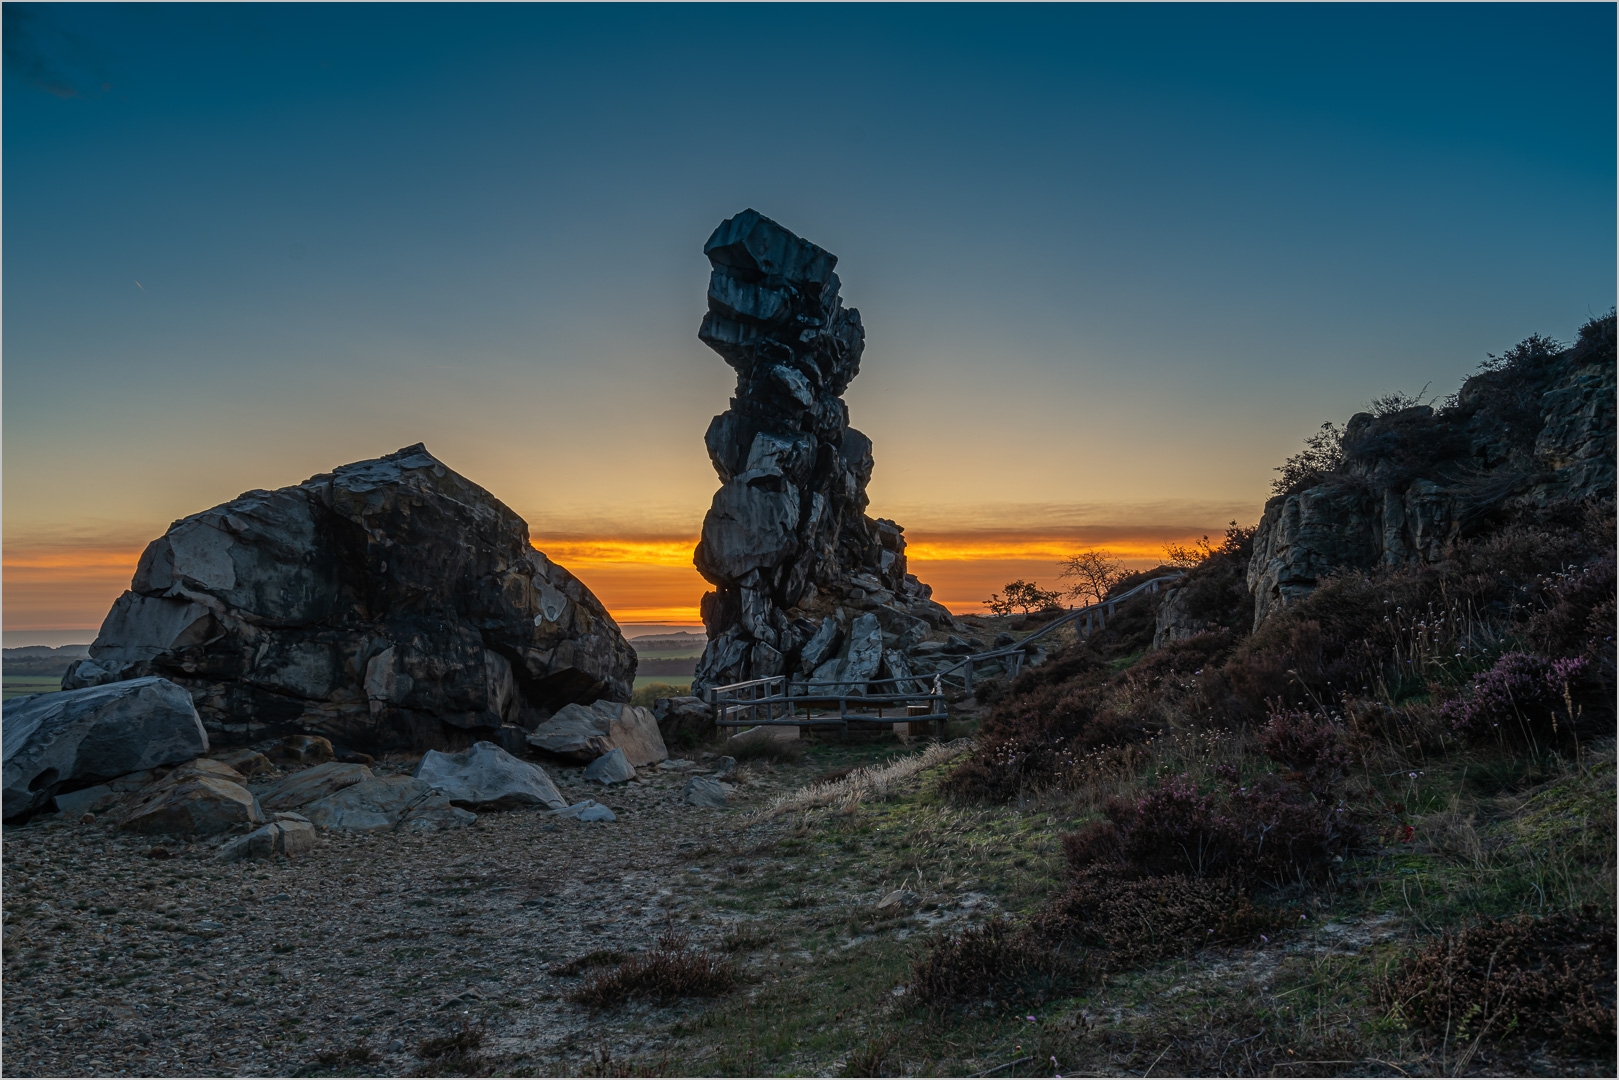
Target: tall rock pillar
786,543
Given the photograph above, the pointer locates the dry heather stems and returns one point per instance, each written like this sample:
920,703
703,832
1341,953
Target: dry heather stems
871,784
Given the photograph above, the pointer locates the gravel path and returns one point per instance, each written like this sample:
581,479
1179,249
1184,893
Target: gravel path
120,963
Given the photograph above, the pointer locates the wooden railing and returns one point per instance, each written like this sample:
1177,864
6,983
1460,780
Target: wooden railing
1087,620
775,702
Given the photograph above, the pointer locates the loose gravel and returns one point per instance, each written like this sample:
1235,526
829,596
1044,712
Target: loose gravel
120,963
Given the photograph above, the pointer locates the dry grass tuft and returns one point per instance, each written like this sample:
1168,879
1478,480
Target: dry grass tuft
871,784
670,970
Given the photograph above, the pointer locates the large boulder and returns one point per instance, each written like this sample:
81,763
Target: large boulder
584,733
192,803
58,742
488,778
1535,430
390,603
787,538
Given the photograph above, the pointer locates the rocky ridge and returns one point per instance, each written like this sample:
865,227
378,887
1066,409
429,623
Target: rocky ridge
801,574
1536,430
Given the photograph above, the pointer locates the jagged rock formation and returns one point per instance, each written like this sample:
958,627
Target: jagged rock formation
787,540
389,603
1537,430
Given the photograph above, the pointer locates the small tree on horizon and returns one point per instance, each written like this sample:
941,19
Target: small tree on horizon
1023,596
1093,572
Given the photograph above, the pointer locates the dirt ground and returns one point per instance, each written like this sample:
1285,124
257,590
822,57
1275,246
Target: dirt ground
119,963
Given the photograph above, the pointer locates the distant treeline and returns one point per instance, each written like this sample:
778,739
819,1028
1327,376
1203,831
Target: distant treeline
681,665
41,659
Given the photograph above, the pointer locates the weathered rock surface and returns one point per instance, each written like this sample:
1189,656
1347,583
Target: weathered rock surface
303,750
787,538
588,810
584,733
72,739
576,732
434,813
311,785
192,803
683,721
704,791
488,778
611,768
288,835
1415,481
374,804
390,604
249,763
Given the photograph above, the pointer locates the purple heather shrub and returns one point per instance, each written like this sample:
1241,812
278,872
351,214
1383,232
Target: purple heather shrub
1522,698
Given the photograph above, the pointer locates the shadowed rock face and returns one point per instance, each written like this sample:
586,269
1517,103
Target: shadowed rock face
786,540
1413,482
388,604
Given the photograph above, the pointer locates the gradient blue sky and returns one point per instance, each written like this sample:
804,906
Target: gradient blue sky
1140,250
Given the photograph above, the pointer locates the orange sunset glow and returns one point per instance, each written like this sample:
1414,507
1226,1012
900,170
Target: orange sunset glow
639,579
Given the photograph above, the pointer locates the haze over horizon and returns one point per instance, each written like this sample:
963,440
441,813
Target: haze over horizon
1114,263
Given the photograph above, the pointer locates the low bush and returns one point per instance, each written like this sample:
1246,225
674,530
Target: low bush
1523,700
464,1040
670,970
1125,922
1269,833
1516,980
764,746
645,696
998,961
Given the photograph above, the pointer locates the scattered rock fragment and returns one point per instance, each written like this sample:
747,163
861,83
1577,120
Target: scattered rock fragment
704,791
249,763
288,835
584,733
193,804
576,733
373,804
611,768
304,749
488,778
588,810
303,788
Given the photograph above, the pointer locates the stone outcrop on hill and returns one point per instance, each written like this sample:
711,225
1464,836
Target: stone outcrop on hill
390,603
787,540
60,742
1537,429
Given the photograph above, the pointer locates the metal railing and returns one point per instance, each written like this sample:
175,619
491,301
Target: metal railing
1087,620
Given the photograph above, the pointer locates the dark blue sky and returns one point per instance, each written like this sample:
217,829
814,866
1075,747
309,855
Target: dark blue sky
1150,247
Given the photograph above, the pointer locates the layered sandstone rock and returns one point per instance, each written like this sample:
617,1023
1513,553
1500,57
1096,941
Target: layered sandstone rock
787,542
389,603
